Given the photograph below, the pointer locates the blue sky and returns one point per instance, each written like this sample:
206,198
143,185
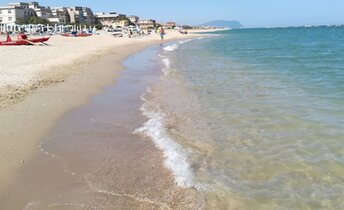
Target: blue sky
251,13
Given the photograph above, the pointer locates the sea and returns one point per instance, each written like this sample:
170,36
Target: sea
253,118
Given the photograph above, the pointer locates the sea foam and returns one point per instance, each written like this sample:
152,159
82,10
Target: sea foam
185,41
167,65
172,47
166,62
175,156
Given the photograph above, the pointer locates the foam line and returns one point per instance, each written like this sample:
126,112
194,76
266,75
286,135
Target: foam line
175,156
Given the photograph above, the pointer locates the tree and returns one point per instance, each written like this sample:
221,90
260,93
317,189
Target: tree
37,20
187,27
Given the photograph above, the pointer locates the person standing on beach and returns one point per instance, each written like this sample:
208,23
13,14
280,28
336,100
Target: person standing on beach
130,33
162,32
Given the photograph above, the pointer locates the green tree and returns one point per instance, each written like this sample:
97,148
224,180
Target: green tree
187,27
37,20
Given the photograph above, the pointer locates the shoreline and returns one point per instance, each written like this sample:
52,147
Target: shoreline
31,118
92,153
27,68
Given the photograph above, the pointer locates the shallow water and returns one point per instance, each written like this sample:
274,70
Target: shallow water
256,116
93,160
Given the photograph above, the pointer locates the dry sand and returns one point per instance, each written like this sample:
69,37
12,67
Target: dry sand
40,84
25,68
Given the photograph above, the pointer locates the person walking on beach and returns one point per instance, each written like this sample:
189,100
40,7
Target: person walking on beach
162,32
130,33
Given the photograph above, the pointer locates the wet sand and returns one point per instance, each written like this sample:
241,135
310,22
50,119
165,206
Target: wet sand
29,109
31,112
91,159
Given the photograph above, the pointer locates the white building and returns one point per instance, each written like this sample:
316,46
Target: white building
134,19
169,25
40,11
110,19
147,24
15,12
43,13
59,15
20,12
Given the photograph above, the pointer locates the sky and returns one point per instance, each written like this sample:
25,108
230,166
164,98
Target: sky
251,13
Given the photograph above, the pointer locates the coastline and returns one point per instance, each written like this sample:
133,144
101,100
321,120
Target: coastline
27,68
36,112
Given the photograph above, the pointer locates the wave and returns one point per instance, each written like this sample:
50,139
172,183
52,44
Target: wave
171,48
185,41
175,156
166,62
167,65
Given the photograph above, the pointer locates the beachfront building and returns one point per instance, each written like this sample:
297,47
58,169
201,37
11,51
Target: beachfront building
63,15
89,17
147,24
120,23
43,13
15,13
33,5
59,15
21,12
112,19
169,25
133,19
76,14
80,15
40,11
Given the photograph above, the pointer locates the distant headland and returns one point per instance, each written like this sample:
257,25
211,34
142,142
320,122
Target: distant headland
224,24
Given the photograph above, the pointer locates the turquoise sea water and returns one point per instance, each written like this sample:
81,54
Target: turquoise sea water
256,117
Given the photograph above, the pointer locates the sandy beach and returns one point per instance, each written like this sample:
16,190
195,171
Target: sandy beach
24,69
39,85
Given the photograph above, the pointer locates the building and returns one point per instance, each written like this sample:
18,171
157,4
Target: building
120,23
81,15
133,19
147,24
89,17
59,15
33,5
20,5
76,15
40,11
20,12
43,12
112,19
169,25
15,13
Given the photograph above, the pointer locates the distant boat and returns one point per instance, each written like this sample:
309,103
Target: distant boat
32,41
76,34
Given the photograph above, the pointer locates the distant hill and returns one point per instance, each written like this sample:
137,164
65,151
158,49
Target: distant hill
223,24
